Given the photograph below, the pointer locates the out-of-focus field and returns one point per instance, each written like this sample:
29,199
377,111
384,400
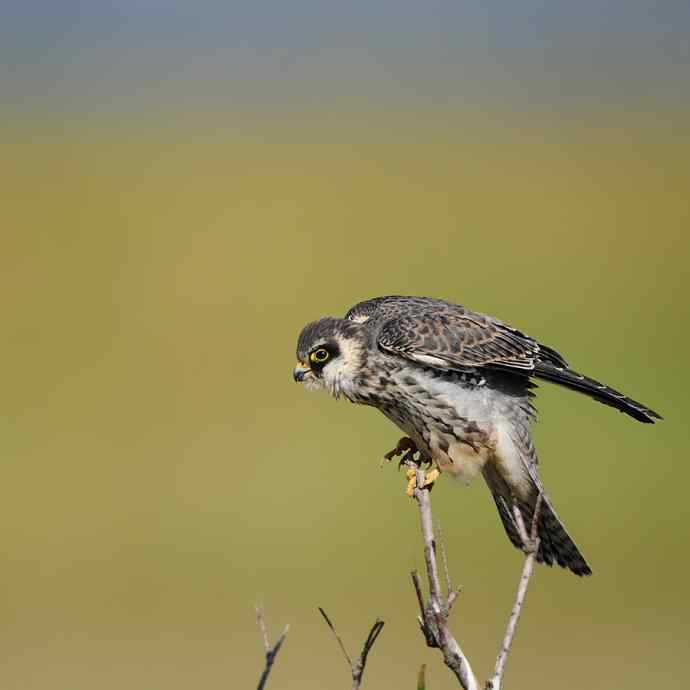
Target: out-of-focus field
162,472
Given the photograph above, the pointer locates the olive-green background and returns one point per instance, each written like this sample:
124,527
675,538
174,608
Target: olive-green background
162,473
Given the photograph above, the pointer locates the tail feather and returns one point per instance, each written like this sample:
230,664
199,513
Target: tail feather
555,544
608,396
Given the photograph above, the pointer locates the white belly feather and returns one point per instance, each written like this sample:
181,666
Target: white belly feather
460,455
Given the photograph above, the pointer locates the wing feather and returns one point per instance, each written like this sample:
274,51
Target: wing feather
448,336
458,341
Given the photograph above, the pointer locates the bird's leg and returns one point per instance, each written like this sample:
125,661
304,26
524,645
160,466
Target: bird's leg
405,447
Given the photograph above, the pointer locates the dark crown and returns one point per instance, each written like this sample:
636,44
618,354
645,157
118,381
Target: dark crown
323,330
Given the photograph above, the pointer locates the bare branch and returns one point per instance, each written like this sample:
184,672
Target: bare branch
271,652
534,531
444,561
429,631
434,618
520,523
451,592
337,637
356,668
418,589
531,545
262,626
453,596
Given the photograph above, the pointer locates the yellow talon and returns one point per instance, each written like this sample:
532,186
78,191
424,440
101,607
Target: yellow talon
430,477
411,482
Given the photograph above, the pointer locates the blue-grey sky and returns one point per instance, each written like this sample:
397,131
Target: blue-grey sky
95,55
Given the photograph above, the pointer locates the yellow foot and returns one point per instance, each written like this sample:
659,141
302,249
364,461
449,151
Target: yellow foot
411,481
430,477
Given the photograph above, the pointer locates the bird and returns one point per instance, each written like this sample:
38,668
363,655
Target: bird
460,385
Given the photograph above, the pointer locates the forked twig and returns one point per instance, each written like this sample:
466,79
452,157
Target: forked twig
531,547
433,619
271,652
356,668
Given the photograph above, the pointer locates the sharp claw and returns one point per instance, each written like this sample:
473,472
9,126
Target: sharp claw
408,457
407,449
405,445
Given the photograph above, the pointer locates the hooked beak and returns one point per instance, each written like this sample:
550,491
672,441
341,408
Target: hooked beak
300,371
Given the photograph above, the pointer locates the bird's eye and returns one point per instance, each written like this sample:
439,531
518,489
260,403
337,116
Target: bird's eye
319,356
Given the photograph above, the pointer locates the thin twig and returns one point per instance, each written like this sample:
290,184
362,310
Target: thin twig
418,590
452,593
522,530
271,652
453,596
262,626
337,637
535,520
531,546
434,618
356,668
428,630
444,560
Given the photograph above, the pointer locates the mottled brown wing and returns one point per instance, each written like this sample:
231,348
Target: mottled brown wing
450,340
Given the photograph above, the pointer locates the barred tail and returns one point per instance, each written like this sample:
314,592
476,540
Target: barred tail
583,384
555,544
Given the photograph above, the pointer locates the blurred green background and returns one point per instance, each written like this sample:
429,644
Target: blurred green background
162,473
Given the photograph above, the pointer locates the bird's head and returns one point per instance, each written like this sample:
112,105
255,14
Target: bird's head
330,354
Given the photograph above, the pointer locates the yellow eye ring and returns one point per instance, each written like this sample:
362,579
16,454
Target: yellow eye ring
319,356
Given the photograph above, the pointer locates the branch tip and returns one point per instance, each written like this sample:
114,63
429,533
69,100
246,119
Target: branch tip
356,668
271,652
531,543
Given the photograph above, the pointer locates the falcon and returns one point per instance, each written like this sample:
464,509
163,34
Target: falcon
459,384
